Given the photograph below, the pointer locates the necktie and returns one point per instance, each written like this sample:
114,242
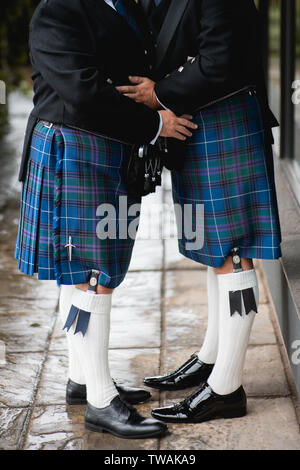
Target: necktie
122,8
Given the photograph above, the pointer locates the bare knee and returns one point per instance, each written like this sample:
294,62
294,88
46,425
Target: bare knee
247,264
100,289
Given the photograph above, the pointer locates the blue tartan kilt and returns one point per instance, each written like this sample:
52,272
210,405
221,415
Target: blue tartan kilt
70,174
228,176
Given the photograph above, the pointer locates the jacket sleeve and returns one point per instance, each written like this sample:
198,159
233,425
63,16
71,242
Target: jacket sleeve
63,52
200,80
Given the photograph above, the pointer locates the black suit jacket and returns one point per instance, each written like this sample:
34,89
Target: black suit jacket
223,37
80,50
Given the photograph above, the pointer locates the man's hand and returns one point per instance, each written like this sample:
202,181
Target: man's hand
142,91
177,127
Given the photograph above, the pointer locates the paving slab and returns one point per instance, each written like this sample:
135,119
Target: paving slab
26,332
263,296
128,366
186,326
11,427
147,255
61,427
263,374
28,288
131,327
142,343
175,260
18,379
135,327
263,331
185,288
139,289
269,425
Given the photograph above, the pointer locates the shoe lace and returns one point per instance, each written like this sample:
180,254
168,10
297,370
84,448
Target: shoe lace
132,412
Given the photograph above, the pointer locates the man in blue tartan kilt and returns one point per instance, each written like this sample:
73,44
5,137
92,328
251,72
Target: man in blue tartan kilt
208,64
77,146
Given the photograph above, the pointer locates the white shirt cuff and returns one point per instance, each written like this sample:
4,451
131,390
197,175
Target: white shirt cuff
161,123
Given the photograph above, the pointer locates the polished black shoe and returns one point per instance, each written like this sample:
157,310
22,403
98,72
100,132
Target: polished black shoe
192,372
122,420
76,394
204,405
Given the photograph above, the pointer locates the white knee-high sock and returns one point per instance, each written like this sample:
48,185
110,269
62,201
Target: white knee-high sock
234,333
209,350
65,301
92,349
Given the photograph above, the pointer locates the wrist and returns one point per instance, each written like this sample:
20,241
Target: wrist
155,102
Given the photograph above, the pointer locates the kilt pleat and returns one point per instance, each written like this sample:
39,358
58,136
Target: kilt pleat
70,175
229,171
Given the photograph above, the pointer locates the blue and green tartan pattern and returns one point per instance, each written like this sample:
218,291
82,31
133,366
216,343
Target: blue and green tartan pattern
229,170
70,174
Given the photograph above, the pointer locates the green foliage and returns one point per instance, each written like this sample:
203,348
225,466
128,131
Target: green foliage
15,16
14,21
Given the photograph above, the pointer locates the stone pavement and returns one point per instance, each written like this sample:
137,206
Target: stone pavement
158,320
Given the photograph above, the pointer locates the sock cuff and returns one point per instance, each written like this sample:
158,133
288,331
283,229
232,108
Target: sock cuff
67,289
238,281
211,273
94,303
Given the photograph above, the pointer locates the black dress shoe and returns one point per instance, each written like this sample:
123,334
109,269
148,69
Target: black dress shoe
122,420
76,394
192,372
204,405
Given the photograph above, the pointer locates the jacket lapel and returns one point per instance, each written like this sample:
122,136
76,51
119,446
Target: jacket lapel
169,27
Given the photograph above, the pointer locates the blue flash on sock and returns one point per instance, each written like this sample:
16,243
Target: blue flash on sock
83,318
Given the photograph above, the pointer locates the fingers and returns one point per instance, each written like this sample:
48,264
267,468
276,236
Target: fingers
183,130
132,97
187,116
188,124
126,89
137,80
178,136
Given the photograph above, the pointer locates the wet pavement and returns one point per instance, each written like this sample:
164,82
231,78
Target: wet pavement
159,318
